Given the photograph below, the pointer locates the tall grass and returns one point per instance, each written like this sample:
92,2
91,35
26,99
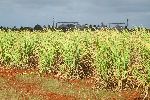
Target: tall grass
122,59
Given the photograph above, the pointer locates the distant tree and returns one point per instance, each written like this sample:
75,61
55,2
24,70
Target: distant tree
90,26
1,27
14,28
38,27
49,27
44,28
94,26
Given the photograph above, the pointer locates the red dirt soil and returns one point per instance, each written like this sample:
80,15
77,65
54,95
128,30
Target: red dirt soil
29,88
34,89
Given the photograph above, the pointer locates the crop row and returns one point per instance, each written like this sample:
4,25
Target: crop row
119,59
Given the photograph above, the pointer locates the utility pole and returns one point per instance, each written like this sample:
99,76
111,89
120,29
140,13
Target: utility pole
53,23
127,22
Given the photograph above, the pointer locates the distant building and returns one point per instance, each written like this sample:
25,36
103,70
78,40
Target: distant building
119,26
67,25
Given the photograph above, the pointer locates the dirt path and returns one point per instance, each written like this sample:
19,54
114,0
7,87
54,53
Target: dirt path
29,88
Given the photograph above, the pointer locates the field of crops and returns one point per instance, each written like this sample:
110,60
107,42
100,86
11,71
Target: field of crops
116,60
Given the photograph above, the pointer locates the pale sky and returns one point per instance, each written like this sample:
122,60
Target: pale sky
31,12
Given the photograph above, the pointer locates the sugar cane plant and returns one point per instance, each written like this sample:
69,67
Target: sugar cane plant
121,59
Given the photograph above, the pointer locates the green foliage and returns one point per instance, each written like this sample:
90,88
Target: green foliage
114,52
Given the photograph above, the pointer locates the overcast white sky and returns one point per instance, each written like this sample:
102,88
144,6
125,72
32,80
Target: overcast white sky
30,12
